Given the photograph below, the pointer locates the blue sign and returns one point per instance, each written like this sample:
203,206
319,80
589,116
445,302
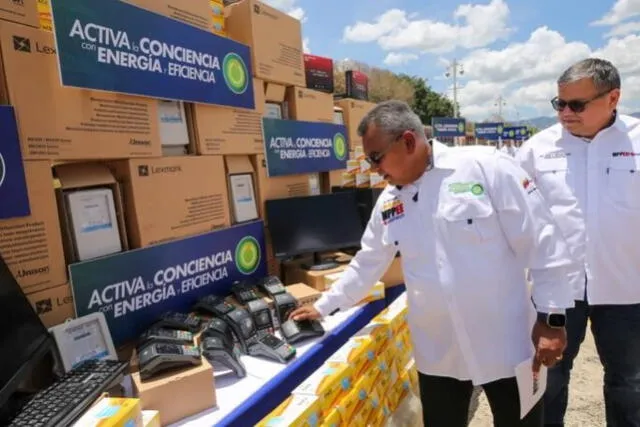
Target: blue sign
14,199
519,133
448,127
293,147
134,288
490,131
114,46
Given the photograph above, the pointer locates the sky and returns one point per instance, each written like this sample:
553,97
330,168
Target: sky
510,51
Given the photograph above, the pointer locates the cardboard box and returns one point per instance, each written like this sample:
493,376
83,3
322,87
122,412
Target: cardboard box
192,12
169,198
32,245
79,176
309,105
305,295
353,111
112,412
23,12
54,306
275,39
241,182
195,385
328,384
277,187
216,130
61,123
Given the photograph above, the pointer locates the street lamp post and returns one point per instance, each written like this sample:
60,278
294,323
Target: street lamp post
454,70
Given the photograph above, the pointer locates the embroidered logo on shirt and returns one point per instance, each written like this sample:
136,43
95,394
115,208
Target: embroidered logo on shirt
528,185
555,155
392,211
624,154
474,188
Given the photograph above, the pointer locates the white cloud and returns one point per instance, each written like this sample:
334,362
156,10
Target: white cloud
482,24
621,11
624,29
305,45
394,59
290,7
525,73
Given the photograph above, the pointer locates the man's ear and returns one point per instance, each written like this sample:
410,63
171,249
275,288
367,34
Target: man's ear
409,140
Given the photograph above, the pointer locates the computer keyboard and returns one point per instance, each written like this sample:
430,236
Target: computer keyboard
64,401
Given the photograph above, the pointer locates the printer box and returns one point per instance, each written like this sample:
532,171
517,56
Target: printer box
353,111
23,12
309,105
32,245
275,39
63,123
54,305
168,198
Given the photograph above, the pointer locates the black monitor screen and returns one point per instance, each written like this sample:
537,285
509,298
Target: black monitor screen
22,334
301,225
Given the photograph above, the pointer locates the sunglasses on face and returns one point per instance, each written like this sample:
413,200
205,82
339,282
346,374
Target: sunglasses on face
376,157
575,105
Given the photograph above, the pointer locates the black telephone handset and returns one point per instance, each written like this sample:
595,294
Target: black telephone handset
299,330
284,304
215,349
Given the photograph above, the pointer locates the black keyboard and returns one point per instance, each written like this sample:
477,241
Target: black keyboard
67,399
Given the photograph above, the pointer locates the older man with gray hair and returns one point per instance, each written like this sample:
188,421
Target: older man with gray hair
587,167
467,222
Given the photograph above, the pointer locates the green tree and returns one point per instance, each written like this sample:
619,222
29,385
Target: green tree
427,103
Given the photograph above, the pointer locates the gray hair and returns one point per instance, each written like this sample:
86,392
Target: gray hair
603,73
392,118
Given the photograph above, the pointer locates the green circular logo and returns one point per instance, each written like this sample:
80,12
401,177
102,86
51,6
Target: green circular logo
235,73
247,255
477,189
500,129
340,146
460,127
511,133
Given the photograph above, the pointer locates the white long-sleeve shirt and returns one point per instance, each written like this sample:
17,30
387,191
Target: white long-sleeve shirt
593,190
466,230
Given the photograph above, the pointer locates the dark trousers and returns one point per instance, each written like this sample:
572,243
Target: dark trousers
616,331
445,403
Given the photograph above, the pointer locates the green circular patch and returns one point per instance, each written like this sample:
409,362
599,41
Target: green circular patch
235,73
247,255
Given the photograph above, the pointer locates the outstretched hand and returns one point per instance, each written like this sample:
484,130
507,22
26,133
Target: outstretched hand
549,344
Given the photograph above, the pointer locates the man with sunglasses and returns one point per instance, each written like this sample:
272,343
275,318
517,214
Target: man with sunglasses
587,167
467,221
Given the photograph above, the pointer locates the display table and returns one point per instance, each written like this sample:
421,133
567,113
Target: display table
267,384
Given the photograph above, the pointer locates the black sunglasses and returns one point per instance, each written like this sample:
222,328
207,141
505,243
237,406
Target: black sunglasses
575,105
375,158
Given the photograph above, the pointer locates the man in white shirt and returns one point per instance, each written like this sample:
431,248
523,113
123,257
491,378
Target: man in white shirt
587,167
508,148
467,222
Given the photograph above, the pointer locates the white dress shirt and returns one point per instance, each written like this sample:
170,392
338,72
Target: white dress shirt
466,230
593,190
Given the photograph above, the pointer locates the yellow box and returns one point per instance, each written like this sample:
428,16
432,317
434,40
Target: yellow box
296,411
329,383
219,26
413,376
395,315
355,401
112,412
357,352
151,419
334,419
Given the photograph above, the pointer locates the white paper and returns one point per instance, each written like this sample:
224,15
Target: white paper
530,389
243,196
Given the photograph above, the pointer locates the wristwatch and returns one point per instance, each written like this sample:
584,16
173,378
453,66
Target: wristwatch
553,320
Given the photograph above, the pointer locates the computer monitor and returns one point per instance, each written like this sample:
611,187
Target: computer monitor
24,340
366,199
314,224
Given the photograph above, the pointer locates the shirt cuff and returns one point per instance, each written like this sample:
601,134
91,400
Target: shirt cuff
325,305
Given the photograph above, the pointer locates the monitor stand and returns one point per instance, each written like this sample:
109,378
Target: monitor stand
320,264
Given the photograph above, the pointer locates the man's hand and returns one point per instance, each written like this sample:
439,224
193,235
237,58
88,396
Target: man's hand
306,312
549,344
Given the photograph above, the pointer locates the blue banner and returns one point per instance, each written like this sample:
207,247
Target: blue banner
293,147
448,127
490,131
114,46
134,288
518,133
14,199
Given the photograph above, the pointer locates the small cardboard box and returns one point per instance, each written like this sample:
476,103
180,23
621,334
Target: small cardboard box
54,305
192,12
178,394
23,12
309,105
